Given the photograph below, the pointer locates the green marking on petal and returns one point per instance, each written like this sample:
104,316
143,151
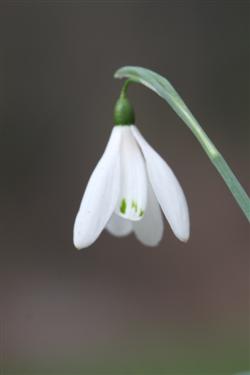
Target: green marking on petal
141,213
123,206
134,206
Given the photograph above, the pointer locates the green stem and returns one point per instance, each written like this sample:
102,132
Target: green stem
125,87
164,89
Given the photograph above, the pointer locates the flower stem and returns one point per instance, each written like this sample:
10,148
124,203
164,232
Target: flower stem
165,90
125,87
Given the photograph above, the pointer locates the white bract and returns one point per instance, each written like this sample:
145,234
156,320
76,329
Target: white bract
126,190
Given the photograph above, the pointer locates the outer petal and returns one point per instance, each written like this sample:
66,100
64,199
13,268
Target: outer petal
133,193
118,226
150,229
166,188
101,194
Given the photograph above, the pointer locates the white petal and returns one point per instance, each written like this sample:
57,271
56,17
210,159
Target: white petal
101,194
166,188
118,226
150,229
133,194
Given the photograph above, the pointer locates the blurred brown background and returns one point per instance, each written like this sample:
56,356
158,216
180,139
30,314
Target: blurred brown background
119,307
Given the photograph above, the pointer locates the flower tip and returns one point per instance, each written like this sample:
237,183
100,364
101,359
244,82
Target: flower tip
153,244
80,246
182,232
81,243
77,244
184,237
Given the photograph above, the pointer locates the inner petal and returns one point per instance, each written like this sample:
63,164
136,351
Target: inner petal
149,230
133,193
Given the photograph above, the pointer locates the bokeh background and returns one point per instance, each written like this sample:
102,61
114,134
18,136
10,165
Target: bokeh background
118,307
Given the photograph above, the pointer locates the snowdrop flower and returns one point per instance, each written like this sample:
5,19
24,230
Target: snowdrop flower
129,187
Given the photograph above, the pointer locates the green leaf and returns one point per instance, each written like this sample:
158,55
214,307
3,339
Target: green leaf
165,90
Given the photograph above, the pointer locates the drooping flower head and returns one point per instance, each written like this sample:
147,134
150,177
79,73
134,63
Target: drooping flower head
129,188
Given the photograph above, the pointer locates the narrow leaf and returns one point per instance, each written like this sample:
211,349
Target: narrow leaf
165,90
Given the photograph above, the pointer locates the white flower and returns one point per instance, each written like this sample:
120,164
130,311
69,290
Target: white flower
126,190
